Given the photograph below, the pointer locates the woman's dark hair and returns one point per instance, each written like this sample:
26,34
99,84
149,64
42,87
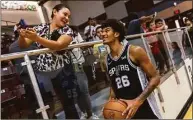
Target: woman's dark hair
148,24
116,26
176,45
158,20
57,8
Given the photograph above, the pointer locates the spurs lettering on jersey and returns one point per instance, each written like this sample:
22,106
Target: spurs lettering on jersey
122,81
117,69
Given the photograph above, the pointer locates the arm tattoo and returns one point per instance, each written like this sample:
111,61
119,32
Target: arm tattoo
154,82
148,90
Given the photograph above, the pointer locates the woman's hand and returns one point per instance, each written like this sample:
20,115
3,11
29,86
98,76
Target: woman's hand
132,107
31,34
22,32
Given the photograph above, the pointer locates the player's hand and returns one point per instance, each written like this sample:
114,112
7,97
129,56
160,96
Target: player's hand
132,107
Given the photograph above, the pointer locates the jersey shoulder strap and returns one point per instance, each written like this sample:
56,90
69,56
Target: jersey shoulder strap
134,65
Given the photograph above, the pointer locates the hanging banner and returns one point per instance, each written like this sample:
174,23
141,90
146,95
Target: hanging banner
19,5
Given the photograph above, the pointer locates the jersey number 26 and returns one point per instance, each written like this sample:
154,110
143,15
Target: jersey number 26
122,81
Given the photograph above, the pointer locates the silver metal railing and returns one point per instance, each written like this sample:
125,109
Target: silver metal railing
26,55
44,50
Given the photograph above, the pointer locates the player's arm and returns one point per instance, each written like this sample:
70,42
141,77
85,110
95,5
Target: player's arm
112,94
141,58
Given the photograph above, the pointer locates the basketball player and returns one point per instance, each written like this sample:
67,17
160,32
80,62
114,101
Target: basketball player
127,67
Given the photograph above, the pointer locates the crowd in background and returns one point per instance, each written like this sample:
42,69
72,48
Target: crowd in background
147,24
92,32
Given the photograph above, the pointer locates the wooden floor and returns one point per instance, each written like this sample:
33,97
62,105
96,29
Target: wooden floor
188,115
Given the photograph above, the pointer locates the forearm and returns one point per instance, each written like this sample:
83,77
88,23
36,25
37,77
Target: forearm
154,82
145,19
112,95
23,42
54,45
160,28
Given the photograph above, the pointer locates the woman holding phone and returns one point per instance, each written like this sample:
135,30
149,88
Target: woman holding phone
56,35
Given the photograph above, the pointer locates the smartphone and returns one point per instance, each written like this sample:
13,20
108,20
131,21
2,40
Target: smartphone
23,24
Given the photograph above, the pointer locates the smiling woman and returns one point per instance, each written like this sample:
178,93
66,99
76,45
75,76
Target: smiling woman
51,67
55,35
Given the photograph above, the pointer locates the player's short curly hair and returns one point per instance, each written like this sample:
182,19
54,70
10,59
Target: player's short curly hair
117,26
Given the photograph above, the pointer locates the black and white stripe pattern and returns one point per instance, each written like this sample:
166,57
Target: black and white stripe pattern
55,60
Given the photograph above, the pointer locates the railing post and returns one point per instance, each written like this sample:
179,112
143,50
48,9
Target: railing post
146,47
170,56
189,39
42,108
184,60
183,52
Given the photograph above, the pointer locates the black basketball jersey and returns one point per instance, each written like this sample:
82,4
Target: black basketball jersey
124,76
127,80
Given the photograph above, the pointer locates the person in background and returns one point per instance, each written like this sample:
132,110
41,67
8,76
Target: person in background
100,50
154,45
90,29
84,101
177,55
24,76
159,23
95,32
90,32
136,23
99,32
185,40
56,35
